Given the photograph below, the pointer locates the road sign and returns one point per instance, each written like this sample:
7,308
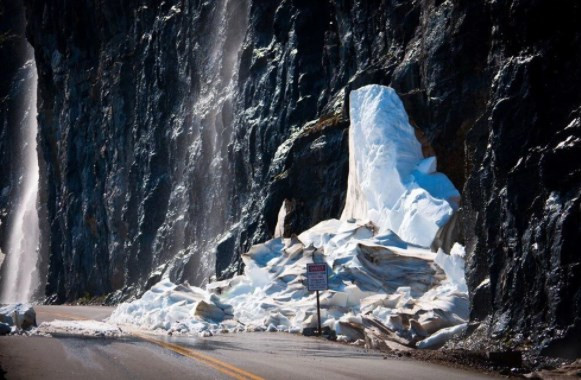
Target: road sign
317,280
317,277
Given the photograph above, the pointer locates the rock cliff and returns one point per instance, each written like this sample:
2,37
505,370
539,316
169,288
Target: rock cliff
172,132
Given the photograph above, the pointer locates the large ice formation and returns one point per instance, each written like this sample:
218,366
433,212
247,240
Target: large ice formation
390,182
386,288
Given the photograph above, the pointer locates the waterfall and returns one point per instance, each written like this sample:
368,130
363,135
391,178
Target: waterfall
204,188
213,112
20,278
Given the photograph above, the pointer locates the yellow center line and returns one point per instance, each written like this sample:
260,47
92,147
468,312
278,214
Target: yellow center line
220,366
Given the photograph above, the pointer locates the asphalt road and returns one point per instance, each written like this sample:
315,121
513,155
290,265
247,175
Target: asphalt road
239,356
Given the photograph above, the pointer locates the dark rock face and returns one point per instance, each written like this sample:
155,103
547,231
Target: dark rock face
523,193
172,134
136,127
313,160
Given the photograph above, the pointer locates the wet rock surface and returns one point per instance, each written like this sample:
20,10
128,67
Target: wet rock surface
149,172
17,75
13,53
17,316
522,194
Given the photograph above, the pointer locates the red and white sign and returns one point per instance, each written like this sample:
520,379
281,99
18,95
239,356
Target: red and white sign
317,277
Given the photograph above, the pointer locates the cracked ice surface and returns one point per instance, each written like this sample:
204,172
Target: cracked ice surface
385,288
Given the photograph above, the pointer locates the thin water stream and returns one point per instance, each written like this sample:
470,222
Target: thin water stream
20,278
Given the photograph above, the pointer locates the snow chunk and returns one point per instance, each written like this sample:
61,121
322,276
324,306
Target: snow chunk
453,265
279,229
85,328
170,307
438,339
390,183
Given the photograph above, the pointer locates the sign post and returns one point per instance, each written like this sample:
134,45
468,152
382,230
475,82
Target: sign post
317,279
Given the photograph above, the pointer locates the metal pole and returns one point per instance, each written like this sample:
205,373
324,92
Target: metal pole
319,313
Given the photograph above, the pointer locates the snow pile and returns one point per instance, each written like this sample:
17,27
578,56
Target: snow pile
180,308
390,182
380,287
83,328
16,317
385,287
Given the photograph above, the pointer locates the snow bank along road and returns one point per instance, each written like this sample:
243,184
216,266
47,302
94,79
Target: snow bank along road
239,356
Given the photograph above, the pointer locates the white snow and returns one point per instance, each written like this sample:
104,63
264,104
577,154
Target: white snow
453,265
85,328
385,287
279,228
442,336
390,182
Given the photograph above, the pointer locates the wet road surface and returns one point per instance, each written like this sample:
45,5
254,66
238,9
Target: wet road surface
239,356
